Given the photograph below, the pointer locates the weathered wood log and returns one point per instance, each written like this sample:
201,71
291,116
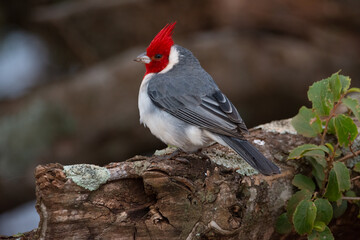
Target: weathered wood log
169,196
209,195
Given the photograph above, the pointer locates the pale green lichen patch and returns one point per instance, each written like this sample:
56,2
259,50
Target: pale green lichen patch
231,160
282,127
88,176
168,150
140,167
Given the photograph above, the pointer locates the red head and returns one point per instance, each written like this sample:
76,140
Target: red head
159,50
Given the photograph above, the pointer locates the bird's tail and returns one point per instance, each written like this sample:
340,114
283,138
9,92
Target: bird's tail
251,155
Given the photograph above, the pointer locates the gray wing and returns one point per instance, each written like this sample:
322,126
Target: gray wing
197,101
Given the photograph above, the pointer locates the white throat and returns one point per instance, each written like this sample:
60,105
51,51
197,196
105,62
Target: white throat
173,59
144,103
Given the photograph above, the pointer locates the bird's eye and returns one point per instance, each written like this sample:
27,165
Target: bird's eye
158,56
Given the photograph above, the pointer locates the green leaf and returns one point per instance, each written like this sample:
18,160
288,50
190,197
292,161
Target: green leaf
283,225
321,96
357,90
307,122
304,217
318,155
339,210
324,235
300,151
332,191
294,201
315,153
342,175
345,82
324,210
319,226
353,105
357,167
303,182
339,84
335,86
346,130
330,147
331,127
317,171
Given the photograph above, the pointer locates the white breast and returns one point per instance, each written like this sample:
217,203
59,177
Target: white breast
144,103
160,123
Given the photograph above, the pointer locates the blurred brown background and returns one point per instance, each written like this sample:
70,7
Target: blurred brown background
68,85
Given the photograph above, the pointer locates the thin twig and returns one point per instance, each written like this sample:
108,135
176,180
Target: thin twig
350,145
314,196
351,198
350,155
329,160
355,178
326,127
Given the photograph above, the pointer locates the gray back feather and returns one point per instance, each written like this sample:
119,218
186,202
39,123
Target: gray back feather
189,93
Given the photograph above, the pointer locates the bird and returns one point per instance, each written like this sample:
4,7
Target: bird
182,105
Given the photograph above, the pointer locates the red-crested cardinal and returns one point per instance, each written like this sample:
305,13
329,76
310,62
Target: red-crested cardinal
182,105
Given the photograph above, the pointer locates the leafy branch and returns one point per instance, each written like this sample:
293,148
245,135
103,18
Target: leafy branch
311,209
331,115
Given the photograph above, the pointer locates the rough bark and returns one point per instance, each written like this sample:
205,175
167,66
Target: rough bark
186,196
175,195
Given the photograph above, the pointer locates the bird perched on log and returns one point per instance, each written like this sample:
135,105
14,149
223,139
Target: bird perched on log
182,105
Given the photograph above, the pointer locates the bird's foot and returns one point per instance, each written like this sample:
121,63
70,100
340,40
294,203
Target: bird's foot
174,153
171,155
174,156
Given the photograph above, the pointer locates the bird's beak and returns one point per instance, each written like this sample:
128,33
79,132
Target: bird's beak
142,58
